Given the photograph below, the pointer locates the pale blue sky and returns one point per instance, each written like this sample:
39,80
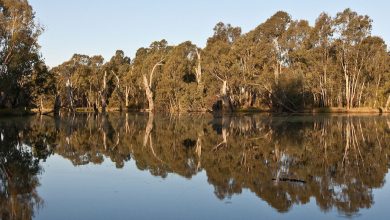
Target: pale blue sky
103,26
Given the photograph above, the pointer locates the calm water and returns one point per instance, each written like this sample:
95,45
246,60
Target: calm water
141,166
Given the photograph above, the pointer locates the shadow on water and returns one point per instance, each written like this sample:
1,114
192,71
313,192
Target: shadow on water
285,161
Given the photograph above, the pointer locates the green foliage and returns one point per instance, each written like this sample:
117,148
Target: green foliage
281,65
18,52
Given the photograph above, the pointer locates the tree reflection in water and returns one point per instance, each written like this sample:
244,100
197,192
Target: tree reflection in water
285,161
23,145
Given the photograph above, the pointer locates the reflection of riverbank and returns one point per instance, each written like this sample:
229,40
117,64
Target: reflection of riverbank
337,160
19,170
336,111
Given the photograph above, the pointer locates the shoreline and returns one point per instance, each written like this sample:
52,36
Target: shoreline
331,110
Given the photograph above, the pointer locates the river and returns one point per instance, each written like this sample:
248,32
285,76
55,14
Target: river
194,166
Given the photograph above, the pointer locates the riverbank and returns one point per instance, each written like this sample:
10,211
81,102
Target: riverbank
332,110
327,110
364,110
16,112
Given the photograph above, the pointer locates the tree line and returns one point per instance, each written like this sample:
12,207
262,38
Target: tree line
281,65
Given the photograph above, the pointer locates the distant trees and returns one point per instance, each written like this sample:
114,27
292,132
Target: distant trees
281,65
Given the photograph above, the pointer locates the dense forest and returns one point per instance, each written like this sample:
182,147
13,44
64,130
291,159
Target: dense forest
281,65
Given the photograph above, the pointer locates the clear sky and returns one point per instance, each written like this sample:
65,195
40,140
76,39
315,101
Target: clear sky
103,26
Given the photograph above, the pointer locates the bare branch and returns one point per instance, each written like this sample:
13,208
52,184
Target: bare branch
117,78
159,63
218,77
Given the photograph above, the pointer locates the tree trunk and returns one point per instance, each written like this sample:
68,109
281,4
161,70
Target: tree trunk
387,103
41,106
57,105
127,98
70,94
347,91
149,94
226,105
376,91
276,73
360,95
95,109
104,93
148,85
198,69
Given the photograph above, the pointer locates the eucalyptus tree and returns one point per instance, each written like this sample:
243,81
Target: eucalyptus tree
94,81
269,38
262,56
281,65
64,87
386,84
321,65
375,72
217,63
42,86
179,88
117,68
19,51
352,29
80,81
147,67
293,87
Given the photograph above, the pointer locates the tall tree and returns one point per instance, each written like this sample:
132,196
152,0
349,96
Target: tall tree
218,62
352,30
320,61
147,63
18,51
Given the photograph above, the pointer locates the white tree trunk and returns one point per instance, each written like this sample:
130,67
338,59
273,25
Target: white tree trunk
148,93
387,103
69,94
148,85
104,93
226,106
127,97
198,69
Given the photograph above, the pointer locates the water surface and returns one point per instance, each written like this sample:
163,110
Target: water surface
140,166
